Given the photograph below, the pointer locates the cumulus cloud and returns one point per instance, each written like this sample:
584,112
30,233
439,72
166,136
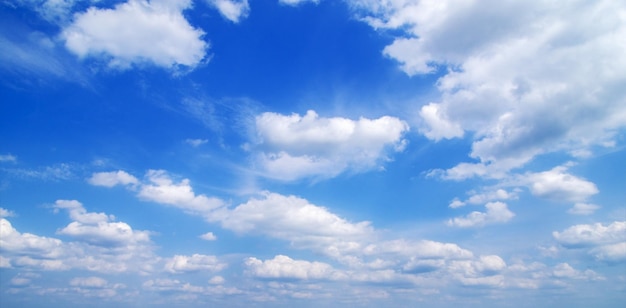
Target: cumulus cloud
161,188
193,263
233,10
518,87
135,32
497,212
605,243
285,267
196,142
297,146
6,213
583,209
98,228
27,244
558,185
209,236
88,282
113,178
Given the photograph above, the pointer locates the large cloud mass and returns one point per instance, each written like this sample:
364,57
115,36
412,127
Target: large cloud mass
525,78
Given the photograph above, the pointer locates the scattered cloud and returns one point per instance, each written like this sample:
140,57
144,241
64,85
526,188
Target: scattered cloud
233,10
558,185
283,267
6,213
605,243
297,146
296,2
193,263
583,209
497,212
136,32
196,142
113,178
209,236
8,158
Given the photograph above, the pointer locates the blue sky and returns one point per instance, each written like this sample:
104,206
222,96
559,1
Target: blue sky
289,153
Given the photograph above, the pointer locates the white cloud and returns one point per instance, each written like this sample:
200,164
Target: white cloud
497,212
297,146
196,142
233,10
193,263
296,2
8,158
136,32
6,213
290,218
558,185
27,244
592,235
88,282
583,209
519,87
98,228
162,189
113,178
209,236
284,267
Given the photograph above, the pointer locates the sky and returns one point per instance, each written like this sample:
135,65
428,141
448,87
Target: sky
294,153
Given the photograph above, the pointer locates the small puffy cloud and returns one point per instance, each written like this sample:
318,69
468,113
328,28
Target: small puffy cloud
98,228
88,282
296,2
6,213
7,158
113,178
558,185
297,146
233,10
286,268
564,270
196,142
583,209
437,126
161,188
217,280
209,236
497,212
135,32
194,263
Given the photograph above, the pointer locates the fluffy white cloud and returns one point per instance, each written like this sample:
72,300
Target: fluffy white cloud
193,263
592,235
558,185
26,244
98,228
290,218
6,213
297,146
583,209
209,236
497,212
605,243
284,267
519,87
162,189
233,10
137,31
113,178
